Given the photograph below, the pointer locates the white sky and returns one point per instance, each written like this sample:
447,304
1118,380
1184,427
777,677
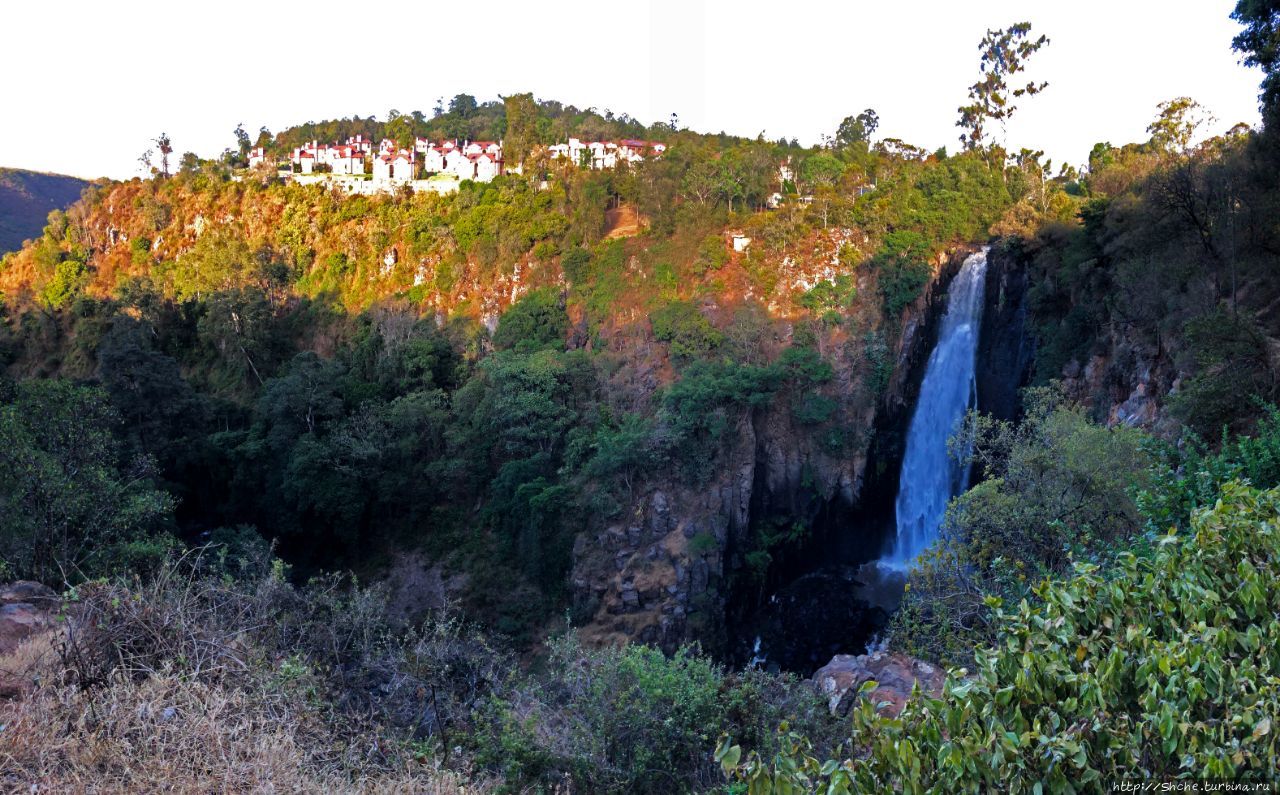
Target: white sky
87,83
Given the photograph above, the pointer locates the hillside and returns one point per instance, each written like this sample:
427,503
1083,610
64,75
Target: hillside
686,463
26,197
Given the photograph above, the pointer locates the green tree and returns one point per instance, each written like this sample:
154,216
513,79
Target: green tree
536,321
522,120
1120,670
857,129
1004,56
69,501
1260,43
1056,488
1176,125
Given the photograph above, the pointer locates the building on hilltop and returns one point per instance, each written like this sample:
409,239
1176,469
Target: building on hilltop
397,167
345,160
433,161
485,166
605,154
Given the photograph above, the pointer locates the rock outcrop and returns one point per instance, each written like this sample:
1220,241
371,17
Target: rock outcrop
895,676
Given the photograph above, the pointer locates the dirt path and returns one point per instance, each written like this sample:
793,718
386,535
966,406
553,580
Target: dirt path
623,221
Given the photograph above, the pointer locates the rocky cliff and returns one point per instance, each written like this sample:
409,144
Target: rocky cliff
668,572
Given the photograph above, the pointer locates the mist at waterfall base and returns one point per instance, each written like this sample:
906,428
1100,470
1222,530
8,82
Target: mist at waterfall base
841,607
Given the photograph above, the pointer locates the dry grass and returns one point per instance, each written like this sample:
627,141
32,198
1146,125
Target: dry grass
171,733
169,688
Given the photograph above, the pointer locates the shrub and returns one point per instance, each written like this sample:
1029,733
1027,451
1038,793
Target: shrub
688,332
1058,489
536,321
634,720
140,251
1190,475
1232,361
70,500
901,277
69,277
1154,667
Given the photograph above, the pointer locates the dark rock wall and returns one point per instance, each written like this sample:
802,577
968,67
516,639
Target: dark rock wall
1006,349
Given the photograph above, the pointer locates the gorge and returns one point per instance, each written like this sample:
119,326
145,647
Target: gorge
836,594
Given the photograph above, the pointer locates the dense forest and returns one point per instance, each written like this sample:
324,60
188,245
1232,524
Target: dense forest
441,491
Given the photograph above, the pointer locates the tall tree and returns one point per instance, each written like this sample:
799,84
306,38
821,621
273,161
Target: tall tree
857,129
522,120
165,146
243,144
1260,44
463,105
1175,127
69,498
1004,56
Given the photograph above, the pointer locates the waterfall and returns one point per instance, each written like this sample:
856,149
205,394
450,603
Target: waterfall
930,475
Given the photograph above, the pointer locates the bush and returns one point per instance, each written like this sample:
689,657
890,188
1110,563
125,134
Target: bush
1154,667
71,502
633,720
1190,475
1058,489
69,277
688,332
1232,361
536,321
902,271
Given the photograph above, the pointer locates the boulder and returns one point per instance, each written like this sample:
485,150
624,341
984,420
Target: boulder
18,621
25,608
29,592
894,674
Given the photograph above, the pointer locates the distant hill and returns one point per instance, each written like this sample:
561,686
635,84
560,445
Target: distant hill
26,197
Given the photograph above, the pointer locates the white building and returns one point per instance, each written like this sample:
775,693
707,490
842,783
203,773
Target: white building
606,154
458,164
433,160
345,159
482,147
398,167
257,157
486,166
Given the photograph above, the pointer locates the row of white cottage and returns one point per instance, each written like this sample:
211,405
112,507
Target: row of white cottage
475,160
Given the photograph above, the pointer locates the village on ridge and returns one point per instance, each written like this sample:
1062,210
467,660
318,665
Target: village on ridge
439,167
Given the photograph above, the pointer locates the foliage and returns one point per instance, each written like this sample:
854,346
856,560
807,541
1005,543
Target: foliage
1057,489
1260,43
633,720
1151,666
1004,56
1190,474
689,333
536,321
902,271
1232,361
70,503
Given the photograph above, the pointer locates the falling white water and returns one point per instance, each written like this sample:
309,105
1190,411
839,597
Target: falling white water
930,476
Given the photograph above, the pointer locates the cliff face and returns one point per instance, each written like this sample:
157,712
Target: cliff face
1125,377
670,569
1006,348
